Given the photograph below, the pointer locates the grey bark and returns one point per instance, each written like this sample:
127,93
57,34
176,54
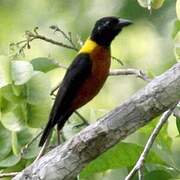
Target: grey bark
67,160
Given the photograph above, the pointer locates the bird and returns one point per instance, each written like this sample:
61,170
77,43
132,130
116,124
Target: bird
87,73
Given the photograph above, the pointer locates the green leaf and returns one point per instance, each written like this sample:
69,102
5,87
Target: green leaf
44,64
162,145
149,167
177,115
1,103
13,120
159,174
5,75
176,28
15,145
176,151
17,89
142,135
8,93
38,114
178,8
38,88
5,142
121,155
177,46
6,106
32,151
10,160
178,124
144,3
16,168
21,71
154,4
25,136
21,139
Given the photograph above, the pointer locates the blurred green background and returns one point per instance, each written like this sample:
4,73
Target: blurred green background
146,45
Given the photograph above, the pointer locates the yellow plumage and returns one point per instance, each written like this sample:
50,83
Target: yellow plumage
88,46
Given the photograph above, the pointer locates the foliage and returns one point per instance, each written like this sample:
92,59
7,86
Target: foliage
22,92
26,83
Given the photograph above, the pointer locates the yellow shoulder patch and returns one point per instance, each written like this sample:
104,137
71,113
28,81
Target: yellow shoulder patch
88,46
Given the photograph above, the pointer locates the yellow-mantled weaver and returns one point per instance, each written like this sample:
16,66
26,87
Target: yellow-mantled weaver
87,73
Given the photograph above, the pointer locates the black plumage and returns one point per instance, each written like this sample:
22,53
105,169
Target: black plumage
76,74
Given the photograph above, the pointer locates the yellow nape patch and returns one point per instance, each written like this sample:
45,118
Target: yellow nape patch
88,46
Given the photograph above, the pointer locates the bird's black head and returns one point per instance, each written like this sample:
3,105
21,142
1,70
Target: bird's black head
106,29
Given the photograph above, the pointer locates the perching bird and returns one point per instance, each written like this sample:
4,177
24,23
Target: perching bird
87,73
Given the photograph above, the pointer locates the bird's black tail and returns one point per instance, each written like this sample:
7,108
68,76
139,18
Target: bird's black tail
50,125
46,133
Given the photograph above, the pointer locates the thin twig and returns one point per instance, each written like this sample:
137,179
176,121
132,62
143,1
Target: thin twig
117,72
85,122
176,112
108,131
43,149
118,60
138,73
140,163
66,36
30,36
140,174
38,36
24,150
11,174
55,88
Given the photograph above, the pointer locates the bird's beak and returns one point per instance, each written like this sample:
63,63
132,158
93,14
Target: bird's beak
124,22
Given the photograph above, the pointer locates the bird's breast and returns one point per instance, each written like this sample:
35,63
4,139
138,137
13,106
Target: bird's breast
100,58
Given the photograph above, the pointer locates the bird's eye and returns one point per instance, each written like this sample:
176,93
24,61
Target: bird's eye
106,23
103,25
99,28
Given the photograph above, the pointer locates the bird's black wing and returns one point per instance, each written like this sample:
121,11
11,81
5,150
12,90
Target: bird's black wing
77,73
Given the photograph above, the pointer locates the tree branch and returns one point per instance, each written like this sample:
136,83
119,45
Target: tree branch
31,36
140,163
67,36
137,72
116,72
25,148
11,174
67,160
